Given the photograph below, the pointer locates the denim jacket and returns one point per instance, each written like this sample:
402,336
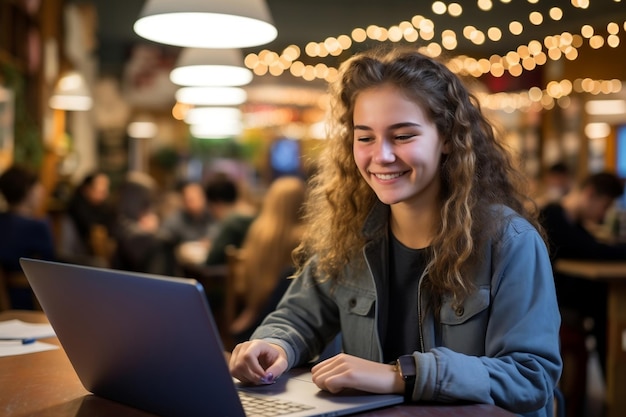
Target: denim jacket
501,346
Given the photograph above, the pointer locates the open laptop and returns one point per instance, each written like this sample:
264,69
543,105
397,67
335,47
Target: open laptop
151,342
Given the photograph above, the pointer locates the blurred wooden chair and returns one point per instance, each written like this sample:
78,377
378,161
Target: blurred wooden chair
102,245
573,382
10,280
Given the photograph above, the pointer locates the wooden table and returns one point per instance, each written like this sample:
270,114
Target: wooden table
44,384
614,274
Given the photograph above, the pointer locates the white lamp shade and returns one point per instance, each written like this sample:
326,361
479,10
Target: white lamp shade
204,115
223,129
598,130
142,130
211,96
71,93
210,67
206,23
605,107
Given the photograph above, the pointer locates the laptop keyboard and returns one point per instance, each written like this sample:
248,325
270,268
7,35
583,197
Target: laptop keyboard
267,407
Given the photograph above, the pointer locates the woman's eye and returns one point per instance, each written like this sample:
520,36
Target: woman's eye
405,136
363,139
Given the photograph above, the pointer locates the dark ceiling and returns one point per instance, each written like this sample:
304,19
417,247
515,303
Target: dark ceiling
302,21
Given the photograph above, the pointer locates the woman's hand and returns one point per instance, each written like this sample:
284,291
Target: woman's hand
345,371
257,362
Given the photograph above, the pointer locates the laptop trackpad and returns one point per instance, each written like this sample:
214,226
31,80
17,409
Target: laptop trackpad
297,386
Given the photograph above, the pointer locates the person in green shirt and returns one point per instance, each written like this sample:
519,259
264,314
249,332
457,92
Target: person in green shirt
233,216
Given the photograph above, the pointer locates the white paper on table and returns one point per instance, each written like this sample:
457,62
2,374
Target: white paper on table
10,348
17,329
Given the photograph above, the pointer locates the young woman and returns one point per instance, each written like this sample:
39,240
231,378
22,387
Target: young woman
418,250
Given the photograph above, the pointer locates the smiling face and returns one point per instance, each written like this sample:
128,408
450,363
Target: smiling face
397,148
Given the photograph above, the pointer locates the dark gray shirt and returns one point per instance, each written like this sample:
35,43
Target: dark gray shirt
405,268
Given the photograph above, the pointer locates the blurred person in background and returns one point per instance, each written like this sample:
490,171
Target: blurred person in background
139,246
266,254
570,221
568,224
23,234
557,181
90,212
233,216
188,229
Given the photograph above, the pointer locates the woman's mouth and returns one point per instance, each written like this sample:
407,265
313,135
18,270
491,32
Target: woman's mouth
388,176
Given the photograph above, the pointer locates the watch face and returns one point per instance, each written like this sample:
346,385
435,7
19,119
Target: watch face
407,365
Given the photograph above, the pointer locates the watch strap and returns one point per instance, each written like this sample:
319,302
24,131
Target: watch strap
408,370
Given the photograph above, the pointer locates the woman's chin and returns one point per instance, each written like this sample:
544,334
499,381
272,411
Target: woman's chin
389,200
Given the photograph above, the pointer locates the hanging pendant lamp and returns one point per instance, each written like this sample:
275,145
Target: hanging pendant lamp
206,23
214,122
71,93
210,115
210,67
217,130
211,96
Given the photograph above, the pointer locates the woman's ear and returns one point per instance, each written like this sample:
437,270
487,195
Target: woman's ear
447,146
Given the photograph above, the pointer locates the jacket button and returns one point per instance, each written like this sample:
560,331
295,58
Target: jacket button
352,302
459,311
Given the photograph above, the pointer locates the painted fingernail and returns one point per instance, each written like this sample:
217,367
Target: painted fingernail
268,378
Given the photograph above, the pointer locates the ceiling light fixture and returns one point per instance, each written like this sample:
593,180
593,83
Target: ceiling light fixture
223,129
142,130
206,23
597,130
211,96
71,93
210,67
605,107
212,115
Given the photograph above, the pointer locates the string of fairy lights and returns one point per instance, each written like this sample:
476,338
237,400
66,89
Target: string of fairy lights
525,57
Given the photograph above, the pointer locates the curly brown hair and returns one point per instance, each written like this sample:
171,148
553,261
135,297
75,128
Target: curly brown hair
476,174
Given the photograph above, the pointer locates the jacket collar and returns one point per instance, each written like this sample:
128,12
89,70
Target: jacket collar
376,221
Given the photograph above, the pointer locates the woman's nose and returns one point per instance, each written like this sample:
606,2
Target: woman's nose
384,152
